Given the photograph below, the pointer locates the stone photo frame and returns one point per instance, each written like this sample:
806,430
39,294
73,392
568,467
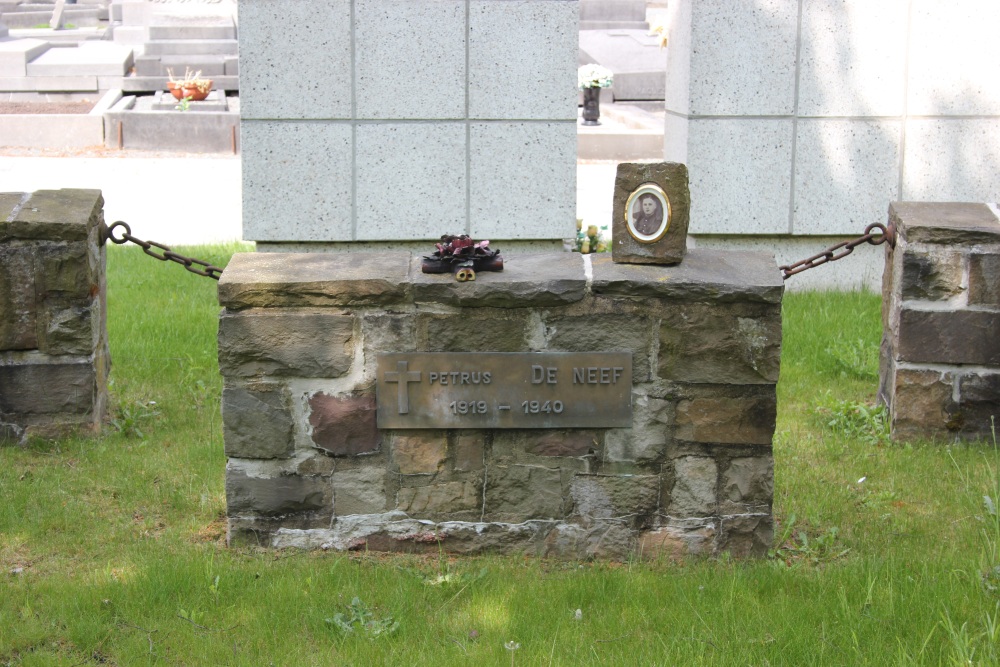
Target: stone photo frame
646,224
633,243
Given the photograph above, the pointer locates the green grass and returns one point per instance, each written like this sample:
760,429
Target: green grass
111,548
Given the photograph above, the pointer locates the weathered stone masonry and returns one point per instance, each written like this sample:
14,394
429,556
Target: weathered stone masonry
308,467
940,362
54,358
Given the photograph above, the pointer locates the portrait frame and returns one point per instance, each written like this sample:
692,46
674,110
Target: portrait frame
633,212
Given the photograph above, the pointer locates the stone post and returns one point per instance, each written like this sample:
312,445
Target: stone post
54,357
940,362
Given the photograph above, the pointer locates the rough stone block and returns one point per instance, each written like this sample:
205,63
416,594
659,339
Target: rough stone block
646,441
517,493
18,329
469,451
254,279
359,491
984,279
679,540
931,276
257,422
531,192
922,404
607,333
672,178
423,453
746,535
281,494
949,224
501,332
573,443
71,330
522,59
602,539
55,215
63,270
528,280
705,274
744,418
48,388
456,501
303,344
712,344
980,405
747,486
632,499
270,67
344,426
422,76
693,492
949,337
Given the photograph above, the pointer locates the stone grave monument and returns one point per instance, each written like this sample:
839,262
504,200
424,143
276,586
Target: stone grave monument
568,405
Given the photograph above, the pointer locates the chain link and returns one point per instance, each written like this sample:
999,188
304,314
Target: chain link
189,263
843,249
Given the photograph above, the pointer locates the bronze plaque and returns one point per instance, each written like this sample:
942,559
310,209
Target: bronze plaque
504,390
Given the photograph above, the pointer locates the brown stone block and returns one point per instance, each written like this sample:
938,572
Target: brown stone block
984,280
747,484
451,501
980,405
505,332
691,487
281,494
746,536
71,330
602,539
360,490
420,453
55,215
268,280
646,441
527,280
950,337
745,419
721,276
922,405
572,443
64,272
18,307
711,344
935,275
344,425
604,333
679,540
945,223
301,344
633,499
510,446
469,451
672,178
257,422
48,389
517,493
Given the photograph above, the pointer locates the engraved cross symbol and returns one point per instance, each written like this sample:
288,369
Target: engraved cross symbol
404,377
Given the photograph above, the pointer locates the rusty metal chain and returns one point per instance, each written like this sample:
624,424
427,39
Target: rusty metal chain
886,234
189,263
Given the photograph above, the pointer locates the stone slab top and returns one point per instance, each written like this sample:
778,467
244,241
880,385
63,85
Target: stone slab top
945,222
705,274
272,279
52,215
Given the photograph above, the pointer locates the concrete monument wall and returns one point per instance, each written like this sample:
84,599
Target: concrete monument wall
801,120
400,120
309,467
54,357
940,362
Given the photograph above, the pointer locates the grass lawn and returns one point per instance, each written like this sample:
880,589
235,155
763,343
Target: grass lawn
112,553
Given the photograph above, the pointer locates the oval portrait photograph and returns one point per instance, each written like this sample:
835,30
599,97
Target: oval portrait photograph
647,213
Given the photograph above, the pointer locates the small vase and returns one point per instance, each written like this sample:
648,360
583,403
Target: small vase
591,106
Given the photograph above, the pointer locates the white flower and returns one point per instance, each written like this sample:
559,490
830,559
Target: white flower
594,76
512,646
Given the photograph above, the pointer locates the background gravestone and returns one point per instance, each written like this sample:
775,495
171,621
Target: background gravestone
382,121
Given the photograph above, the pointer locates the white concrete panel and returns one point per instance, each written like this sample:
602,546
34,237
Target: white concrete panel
411,180
677,18
15,54
743,57
952,160
846,173
420,71
297,186
954,55
523,59
853,57
740,171
295,58
523,180
675,138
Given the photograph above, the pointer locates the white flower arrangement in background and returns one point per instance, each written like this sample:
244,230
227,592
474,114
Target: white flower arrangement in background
594,76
